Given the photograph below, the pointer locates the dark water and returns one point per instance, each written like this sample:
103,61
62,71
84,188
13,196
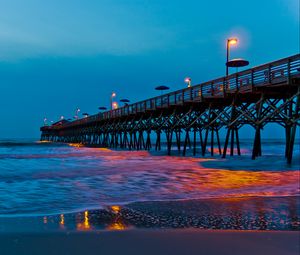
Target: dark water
45,178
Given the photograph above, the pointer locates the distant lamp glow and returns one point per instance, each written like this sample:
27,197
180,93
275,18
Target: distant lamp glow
113,94
45,121
230,42
188,81
62,117
114,105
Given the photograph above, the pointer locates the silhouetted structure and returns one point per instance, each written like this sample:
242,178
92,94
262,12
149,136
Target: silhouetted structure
269,93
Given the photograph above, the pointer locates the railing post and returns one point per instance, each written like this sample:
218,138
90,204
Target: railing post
269,73
252,78
201,90
289,71
212,88
237,82
224,86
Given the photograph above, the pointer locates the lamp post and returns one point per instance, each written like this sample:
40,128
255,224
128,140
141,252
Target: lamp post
188,81
230,42
113,94
45,121
76,113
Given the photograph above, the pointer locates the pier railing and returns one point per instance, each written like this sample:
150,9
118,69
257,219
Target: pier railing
271,74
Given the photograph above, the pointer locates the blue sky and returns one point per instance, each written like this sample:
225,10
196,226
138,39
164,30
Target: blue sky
58,55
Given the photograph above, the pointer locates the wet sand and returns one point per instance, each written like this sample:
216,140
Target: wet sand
144,242
238,225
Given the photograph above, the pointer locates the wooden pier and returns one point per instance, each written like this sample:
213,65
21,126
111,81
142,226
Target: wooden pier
269,93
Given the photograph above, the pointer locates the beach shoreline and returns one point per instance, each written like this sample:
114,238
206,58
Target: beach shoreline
231,213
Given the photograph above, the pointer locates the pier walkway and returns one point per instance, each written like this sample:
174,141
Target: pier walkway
269,93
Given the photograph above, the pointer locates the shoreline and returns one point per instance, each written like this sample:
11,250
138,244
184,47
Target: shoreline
124,204
235,213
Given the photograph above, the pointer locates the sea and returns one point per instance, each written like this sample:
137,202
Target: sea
38,178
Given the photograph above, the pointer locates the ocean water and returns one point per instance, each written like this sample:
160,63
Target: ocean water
47,178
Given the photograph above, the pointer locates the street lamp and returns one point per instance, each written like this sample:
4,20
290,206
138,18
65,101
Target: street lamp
113,94
114,105
188,81
76,113
45,121
230,42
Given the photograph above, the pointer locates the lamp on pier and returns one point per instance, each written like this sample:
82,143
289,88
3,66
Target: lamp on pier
76,113
114,105
188,81
230,42
113,94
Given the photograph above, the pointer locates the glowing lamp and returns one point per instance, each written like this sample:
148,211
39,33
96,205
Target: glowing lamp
115,105
188,80
232,41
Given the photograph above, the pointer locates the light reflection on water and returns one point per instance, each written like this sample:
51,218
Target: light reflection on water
264,213
44,178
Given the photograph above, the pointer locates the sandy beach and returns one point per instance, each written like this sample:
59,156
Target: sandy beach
206,226
131,242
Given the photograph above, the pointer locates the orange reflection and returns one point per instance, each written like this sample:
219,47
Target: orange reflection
85,225
62,221
103,149
116,209
45,220
117,226
75,145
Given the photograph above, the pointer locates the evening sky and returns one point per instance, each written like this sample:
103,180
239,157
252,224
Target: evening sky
58,55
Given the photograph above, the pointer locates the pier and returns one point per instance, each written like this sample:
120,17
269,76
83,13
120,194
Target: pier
268,93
